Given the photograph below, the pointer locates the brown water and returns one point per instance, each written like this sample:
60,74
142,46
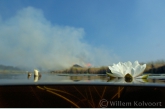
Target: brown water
50,90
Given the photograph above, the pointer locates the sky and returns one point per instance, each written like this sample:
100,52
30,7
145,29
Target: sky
56,34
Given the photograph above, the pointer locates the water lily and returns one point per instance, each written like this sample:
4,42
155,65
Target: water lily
127,70
36,72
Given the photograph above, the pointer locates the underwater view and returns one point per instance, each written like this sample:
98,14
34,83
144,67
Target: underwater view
80,90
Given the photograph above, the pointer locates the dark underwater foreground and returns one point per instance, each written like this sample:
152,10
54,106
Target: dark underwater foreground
66,96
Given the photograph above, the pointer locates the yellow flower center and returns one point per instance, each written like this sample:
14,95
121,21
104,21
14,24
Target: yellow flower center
128,78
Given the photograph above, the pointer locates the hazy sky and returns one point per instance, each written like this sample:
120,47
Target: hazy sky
59,33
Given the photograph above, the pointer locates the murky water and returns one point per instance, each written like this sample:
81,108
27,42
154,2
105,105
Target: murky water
84,90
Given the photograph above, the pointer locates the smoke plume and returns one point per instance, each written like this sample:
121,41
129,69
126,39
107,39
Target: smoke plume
29,40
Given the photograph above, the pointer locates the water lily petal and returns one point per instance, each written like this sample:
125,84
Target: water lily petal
135,64
129,64
139,70
115,71
121,68
125,69
132,71
128,71
143,67
116,68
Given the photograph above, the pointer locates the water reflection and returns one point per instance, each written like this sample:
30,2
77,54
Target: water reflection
149,81
123,80
24,78
89,78
29,76
78,78
36,78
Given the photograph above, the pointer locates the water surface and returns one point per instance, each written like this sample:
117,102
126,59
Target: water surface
83,90
86,79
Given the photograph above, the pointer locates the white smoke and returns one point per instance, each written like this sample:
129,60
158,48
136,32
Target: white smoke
29,40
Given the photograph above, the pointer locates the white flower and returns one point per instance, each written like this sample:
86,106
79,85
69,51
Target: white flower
35,72
127,70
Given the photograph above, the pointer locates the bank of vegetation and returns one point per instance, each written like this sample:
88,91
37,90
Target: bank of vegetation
157,67
11,69
76,69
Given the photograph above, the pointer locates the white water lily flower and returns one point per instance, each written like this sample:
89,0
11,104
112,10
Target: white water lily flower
127,70
36,72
